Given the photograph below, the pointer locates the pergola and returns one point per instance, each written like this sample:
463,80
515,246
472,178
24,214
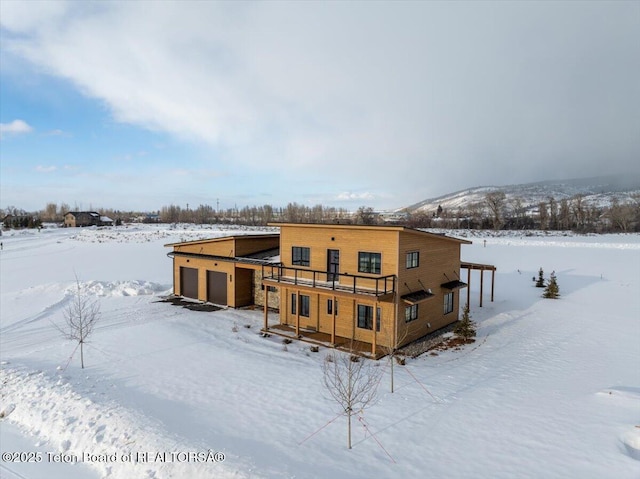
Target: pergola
482,268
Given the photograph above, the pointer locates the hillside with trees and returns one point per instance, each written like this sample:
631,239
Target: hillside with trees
596,205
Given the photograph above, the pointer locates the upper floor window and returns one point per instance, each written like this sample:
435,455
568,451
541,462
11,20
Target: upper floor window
448,303
413,259
300,256
369,262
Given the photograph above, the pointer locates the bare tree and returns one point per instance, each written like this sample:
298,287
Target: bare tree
391,349
80,315
352,382
495,201
543,215
366,216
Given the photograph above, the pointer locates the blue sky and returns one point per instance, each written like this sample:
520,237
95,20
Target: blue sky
137,105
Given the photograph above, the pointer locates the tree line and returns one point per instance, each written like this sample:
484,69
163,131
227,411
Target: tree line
495,211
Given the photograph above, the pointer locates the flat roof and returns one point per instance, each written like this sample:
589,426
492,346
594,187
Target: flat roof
224,238
371,227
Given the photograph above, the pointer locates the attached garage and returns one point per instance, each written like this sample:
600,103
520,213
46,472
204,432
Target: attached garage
217,287
189,282
225,271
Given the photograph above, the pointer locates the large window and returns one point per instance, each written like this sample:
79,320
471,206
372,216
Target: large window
413,259
300,256
411,313
369,262
448,303
365,317
304,304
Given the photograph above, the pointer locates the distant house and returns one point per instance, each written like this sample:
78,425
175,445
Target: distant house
380,286
74,219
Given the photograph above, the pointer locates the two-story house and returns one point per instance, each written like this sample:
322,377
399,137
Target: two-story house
384,286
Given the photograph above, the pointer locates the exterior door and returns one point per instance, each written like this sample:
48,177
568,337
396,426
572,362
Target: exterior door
333,264
189,282
217,287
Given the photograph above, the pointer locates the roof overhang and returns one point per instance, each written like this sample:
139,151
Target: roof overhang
455,284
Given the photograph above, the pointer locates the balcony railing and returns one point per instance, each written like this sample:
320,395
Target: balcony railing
349,283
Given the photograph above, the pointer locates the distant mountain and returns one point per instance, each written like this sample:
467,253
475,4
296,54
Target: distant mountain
597,190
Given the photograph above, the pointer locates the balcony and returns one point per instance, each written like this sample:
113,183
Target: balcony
340,282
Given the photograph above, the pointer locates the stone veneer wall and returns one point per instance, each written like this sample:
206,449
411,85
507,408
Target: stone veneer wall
258,293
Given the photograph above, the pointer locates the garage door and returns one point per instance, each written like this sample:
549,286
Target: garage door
189,282
217,287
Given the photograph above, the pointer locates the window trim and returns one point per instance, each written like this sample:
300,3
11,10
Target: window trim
366,321
411,313
412,259
367,264
305,304
449,301
301,256
330,306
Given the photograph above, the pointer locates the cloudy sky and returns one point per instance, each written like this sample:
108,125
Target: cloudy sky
136,105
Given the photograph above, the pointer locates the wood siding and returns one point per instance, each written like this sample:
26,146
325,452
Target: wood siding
439,262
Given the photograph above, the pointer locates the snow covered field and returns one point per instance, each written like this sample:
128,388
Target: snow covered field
551,388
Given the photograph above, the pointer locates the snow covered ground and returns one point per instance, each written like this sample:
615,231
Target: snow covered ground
551,388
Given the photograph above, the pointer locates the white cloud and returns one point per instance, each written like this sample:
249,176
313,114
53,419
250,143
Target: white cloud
16,127
57,132
46,169
407,97
349,196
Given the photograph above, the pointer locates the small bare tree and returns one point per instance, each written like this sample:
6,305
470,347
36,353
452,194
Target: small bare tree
352,382
391,350
80,315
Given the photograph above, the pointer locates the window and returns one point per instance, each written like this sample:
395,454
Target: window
448,303
413,259
411,313
304,304
330,306
369,262
365,317
300,256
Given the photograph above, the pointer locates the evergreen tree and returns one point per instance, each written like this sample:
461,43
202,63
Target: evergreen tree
552,290
540,280
465,328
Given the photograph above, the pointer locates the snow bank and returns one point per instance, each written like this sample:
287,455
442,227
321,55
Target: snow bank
117,442
120,288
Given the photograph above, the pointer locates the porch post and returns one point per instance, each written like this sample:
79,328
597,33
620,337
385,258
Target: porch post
375,328
493,275
469,287
481,284
266,308
333,324
297,313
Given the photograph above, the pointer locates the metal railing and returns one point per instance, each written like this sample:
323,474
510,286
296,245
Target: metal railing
356,284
